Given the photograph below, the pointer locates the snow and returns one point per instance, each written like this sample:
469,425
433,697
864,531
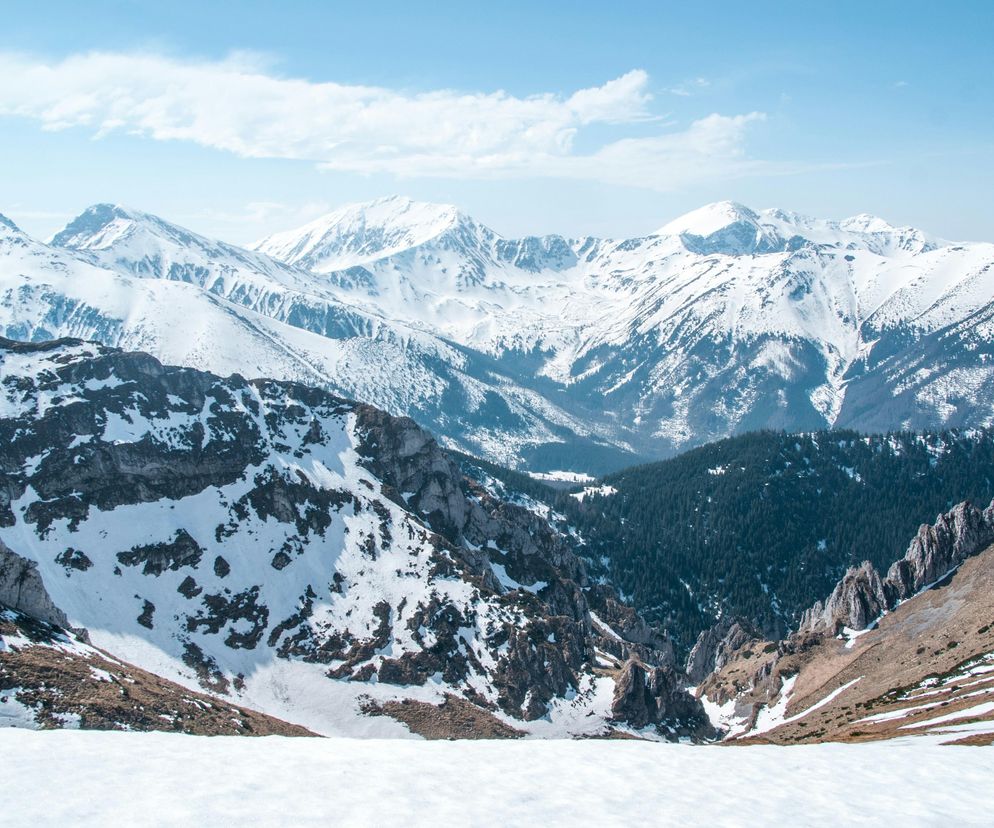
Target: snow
969,713
850,635
600,491
708,219
771,717
603,628
509,583
281,781
393,302
14,713
725,717
358,233
562,476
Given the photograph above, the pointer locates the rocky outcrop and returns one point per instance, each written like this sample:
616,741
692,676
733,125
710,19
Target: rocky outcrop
655,696
955,536
22,590
862,596
544,660
420,475
855,602
714,647
325,532
625,634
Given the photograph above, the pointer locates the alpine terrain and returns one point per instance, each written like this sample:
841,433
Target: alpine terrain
544,353
908,653
166,533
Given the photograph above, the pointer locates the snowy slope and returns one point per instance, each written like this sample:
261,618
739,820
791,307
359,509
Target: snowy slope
555,353
278,781
725,319
300,554
131,280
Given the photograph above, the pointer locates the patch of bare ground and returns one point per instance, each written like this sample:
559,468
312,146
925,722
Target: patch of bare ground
62,680
454,718
976,740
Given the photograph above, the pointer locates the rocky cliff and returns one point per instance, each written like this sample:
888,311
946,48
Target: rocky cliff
302,554
715,646
22,590
862,596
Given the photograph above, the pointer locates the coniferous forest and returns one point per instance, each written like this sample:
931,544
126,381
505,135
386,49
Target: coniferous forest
762,525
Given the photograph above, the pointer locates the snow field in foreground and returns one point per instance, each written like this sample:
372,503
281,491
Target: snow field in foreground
107,778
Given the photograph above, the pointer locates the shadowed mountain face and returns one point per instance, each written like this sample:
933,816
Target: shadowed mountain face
302,555
544,352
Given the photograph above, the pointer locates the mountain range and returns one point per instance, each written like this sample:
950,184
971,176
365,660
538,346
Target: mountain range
186,552
544,353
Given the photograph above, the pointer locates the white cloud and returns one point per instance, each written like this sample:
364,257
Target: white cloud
237,105
688,88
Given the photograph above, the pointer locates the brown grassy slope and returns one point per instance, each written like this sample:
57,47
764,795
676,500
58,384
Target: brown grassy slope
62,680
920,654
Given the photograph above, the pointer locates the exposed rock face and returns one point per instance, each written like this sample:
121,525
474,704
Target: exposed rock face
854,603
407,460
714,647
21,589
862,596
634,637
920,644
924,663
244,525
654,696
955,536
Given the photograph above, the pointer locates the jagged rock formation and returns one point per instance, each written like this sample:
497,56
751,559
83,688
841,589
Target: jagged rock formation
898,651
937,549
655,696
22,590
626,634
927,666
297,552
714,646
862,596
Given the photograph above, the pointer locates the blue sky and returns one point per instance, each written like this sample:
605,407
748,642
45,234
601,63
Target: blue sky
238,119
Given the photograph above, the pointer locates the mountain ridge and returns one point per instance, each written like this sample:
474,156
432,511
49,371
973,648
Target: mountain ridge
553,353
306,556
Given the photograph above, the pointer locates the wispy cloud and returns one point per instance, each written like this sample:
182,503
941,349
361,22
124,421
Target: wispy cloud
240,106
690,87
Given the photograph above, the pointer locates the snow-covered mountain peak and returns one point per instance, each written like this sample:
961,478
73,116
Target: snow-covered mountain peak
6,224
358,233
885,238
134,243
709,219
98,227
723,227
867,223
